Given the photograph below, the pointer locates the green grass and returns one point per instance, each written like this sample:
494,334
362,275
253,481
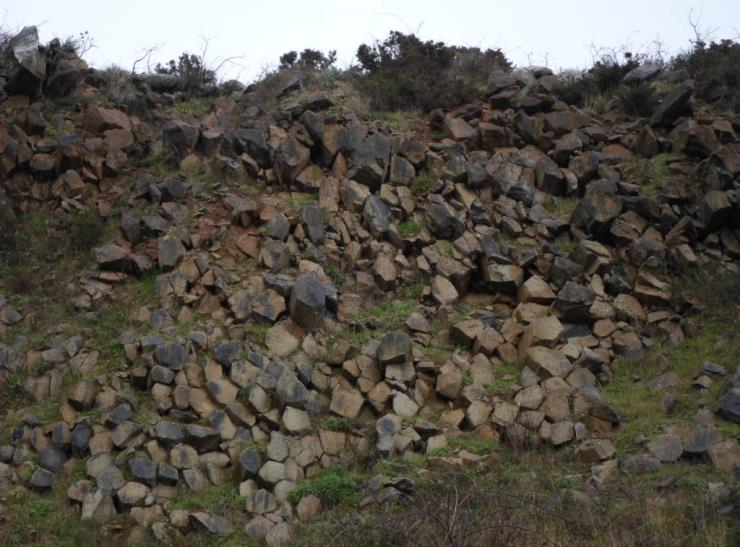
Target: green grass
48,520
146,288
646,173
397,120
501,385
336,275
339,423
409,228
422,183
437,354
193,107
565,248
244,393
216,499
561,207
51,132
257,331
334,486
659,167
718,341
471,443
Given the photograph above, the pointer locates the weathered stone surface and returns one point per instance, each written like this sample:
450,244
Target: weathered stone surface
672,105
394,348
667,448
179,138
346,402
281,342
547,362
308,301
377,215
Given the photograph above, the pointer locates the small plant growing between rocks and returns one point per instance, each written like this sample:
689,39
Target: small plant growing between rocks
335,486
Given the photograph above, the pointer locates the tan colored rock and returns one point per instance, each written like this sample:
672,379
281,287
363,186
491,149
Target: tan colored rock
547,362
543,331
530,397
449,381
281,342
537,290
443,291
346,402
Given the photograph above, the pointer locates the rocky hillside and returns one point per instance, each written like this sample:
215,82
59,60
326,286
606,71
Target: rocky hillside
508,323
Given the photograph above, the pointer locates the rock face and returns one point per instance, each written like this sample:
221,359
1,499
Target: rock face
29,78
309,274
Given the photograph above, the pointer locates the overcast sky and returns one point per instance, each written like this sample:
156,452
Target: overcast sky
558,33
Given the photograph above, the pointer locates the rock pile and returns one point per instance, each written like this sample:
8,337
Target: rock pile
278,284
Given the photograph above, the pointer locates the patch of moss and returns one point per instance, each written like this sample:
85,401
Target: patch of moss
409,228
334,486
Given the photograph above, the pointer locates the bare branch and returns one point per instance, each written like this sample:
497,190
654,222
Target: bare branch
146,56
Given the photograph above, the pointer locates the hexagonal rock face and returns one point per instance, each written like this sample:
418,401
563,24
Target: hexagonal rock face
308,301
547,362
394,348
82,395
291,157
346,402
169,252
377,215
179,138
667,448
171,354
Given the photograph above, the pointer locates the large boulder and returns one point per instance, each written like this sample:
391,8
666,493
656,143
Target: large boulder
673,105
31,70
370,161
599,207
179,138
291,157
309,301
377,215
64,72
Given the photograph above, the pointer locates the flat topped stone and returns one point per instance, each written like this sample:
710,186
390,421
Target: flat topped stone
395,347
547,362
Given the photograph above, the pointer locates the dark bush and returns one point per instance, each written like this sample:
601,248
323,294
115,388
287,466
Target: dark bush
637,100
191,71
605,78
715,67
609,70
308,58
403,72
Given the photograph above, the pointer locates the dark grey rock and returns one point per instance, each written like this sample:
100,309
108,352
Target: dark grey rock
171,354
167,474
394,348
377,215
309,300
202,438
314,223
168,433
227,352
52,458
42,480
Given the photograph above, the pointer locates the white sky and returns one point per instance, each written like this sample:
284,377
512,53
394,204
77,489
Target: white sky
559,31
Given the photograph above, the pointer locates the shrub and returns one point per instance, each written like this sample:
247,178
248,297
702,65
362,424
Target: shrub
84,231
190,70
333,487
117,86
605,76
404,73
78,44
308,58
715,67
637,100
